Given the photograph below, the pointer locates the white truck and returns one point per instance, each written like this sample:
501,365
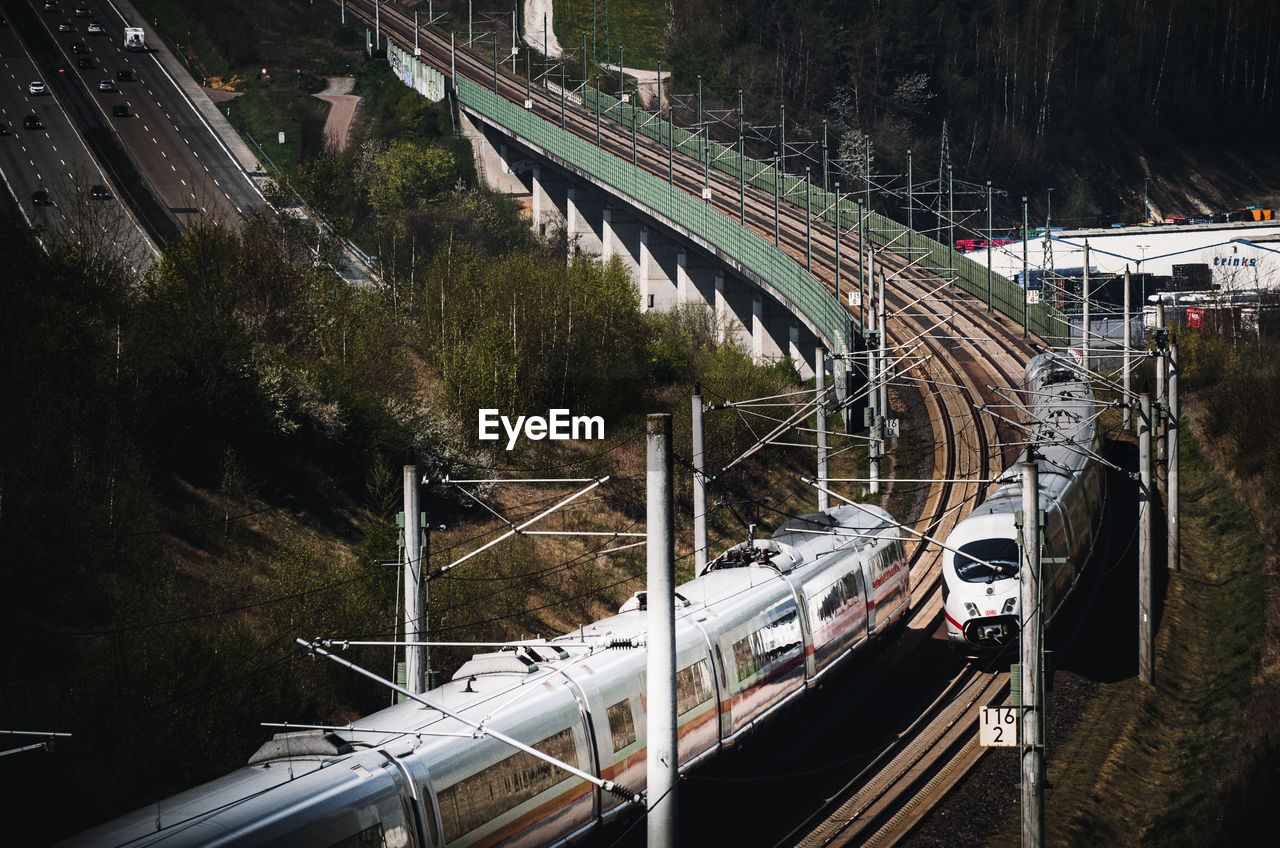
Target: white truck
133,39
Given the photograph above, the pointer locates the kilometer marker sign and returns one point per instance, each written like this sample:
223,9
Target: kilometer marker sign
998,727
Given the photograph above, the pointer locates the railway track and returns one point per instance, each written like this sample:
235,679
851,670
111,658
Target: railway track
964,350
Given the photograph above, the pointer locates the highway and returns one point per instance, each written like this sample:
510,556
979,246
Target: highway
159,152
49,155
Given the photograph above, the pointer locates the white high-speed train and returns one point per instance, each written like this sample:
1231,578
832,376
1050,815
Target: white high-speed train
980,562
763,623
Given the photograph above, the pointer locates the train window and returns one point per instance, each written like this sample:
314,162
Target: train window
838,595
693,687
743,658
724,680
505,785
621,724
761,648
430,824
999,559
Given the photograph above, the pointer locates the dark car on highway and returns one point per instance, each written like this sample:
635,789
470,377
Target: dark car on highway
40,197
31,122
120,110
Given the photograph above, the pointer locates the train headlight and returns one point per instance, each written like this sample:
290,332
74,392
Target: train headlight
1009,605
971,608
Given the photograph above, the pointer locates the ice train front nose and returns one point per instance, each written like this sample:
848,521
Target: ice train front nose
984,623
980,584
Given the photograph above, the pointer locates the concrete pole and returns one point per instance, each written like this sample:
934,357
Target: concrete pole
415,666
663,768
1084,321
820,383
699,483
1128,347
1146,661
1032,749
1171,493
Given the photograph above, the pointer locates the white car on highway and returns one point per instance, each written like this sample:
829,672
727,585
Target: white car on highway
36,88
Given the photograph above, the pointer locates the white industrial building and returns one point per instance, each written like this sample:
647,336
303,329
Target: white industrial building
1239,256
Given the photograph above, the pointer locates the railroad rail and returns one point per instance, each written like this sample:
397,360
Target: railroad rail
967,350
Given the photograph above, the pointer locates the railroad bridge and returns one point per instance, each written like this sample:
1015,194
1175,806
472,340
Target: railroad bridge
784,264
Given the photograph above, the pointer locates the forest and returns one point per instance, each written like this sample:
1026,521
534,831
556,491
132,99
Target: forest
201,463
1090,96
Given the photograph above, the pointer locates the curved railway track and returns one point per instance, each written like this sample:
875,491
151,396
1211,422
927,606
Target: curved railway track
966,350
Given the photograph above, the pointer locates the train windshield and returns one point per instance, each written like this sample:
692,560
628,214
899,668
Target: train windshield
987,560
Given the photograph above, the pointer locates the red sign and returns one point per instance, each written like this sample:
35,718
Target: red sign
1195,317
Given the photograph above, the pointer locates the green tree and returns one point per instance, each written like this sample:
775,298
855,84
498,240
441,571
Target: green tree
410,172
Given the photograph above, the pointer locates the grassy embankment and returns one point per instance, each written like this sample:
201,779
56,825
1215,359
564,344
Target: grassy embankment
1191,759
637,27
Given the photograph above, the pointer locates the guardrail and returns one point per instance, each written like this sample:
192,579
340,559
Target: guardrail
767,262
1005,296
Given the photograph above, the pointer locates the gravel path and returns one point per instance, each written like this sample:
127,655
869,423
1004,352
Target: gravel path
536,12
342,110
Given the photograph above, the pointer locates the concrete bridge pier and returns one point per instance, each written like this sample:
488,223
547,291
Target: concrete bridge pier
583,207
620,236
669,269
657,259
545,213
767,345
733,310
